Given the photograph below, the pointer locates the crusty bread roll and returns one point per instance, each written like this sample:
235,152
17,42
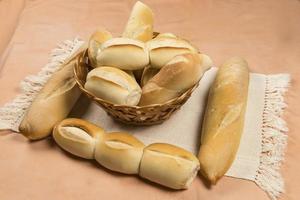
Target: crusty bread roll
123,53
113,85
148,73
169,165
120,152
96,39
224,119
165,47
52,104
140,23
178,75
78,137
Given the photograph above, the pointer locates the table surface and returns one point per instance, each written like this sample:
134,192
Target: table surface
266,33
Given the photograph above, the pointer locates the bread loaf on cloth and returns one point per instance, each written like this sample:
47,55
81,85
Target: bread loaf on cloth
78,137
123,53
140,23
120,152
165,46
161,163
224,119
96,39
113,85
52,104
178,75
169,165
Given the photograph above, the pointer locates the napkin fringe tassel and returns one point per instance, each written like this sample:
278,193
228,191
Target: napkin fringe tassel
274,137
12,113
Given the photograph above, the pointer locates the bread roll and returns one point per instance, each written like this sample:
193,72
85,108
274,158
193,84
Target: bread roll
78,137
148,73
140,23
178,75
165,47
120,152
224,119
52,104
169,165
113,85
123,53
95,42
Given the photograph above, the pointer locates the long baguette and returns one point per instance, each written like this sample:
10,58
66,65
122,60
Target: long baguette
224,119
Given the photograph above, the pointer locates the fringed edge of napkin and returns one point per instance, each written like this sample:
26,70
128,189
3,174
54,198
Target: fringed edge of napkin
12,113
274,137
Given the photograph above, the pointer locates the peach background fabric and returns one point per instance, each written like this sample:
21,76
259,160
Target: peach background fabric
266,33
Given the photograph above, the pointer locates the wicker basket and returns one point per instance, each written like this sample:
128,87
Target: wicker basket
145,115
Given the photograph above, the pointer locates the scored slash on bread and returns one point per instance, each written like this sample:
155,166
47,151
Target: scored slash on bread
179,74
123,53
113,85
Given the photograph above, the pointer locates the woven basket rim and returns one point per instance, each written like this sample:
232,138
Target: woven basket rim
83,54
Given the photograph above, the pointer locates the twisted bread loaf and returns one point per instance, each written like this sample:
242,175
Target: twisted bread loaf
164,164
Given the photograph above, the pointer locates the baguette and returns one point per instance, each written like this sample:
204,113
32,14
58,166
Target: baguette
140,23
123,53
178,75
113,85
169,165
78,137
224,119
95,42
52,104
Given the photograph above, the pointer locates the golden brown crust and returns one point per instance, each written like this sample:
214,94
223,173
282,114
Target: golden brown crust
224,119
178,75
171,150
54,101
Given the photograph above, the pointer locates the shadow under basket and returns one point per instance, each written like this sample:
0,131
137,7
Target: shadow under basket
136,115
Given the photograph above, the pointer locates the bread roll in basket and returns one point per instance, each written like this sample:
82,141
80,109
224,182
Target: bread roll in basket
137,115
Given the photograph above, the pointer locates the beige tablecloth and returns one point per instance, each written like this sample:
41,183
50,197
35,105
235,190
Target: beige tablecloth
266,33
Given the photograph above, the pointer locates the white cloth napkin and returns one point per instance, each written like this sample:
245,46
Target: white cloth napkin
263,140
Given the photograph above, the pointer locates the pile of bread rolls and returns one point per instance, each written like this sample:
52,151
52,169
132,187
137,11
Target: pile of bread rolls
136,69
167,164
161,163
164,67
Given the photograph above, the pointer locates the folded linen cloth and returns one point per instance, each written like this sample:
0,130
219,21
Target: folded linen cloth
263,141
